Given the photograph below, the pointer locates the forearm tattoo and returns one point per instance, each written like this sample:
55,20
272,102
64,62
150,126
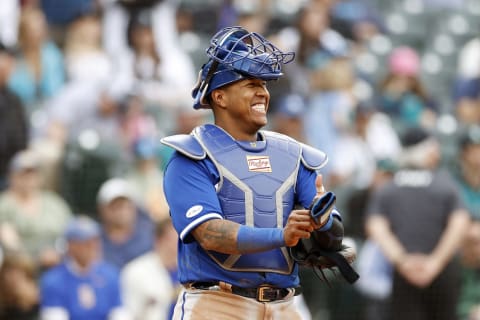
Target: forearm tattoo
218,235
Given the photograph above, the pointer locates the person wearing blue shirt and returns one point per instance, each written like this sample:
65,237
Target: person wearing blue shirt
40,71
233,189
127,229
82,287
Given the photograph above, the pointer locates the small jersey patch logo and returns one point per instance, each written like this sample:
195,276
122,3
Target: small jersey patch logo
259,163
86,296
193,211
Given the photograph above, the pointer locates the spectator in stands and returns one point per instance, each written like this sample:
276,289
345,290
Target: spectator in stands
314,42
60,16
85,59
162,75
467,100
146,178
87,105
31,218
143,36
39,72
149,282
19,293
135,122
468,171
82,286
369,140
90,103
13,122
127,230
117,14
288,116
330,103
468,179
402,95
419,222
357,20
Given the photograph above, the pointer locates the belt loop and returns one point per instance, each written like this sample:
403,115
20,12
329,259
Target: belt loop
291,293
227,287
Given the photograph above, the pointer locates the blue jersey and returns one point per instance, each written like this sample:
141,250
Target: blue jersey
140,242
193,187
88,296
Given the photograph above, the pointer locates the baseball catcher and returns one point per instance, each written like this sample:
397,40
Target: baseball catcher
233,191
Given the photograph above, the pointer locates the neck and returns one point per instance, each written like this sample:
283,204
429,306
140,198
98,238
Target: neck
471,176
79,268
237,134
23,195
119,233
244,137
147,165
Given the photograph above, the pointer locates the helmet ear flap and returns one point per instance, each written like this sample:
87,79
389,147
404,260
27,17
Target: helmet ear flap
203,82
198,83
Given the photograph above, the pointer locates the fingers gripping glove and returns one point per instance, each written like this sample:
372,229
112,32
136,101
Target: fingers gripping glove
324,249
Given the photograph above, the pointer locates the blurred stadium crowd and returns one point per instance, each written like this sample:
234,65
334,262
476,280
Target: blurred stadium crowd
87,88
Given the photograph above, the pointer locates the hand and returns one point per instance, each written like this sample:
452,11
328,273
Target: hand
471,247
299,225
22,287
419,269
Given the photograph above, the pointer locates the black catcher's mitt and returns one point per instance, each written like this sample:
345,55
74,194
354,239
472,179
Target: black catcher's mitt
324,249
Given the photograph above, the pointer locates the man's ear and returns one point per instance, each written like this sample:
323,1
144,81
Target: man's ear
219,98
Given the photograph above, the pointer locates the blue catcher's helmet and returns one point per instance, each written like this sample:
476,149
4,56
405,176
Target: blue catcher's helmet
236,54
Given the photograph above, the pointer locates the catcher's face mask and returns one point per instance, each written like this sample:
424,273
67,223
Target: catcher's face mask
236,54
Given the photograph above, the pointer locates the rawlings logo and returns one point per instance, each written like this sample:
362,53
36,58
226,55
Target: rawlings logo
193,211
259,164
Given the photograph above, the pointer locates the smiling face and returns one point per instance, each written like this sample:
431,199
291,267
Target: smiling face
241,108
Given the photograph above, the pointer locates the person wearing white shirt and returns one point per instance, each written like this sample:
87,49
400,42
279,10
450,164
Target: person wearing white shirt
149,282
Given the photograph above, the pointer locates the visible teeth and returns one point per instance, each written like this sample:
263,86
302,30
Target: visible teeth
259,107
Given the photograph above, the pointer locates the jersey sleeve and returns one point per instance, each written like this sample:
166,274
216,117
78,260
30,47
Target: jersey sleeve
189,187
305,188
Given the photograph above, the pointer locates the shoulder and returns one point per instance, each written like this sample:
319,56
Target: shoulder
107,270
54,200
186,144
446,179
311,157
55,277
53,197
